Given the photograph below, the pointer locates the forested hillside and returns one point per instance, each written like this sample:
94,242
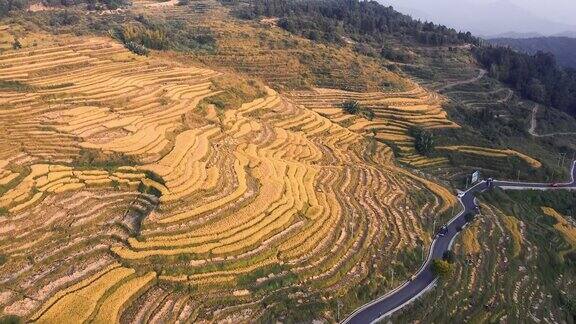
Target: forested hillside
330,20
372,26
537,77
563,48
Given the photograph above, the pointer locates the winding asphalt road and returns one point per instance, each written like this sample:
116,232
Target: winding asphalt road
424,280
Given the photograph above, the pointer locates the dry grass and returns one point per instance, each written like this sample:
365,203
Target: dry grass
513,226
470,240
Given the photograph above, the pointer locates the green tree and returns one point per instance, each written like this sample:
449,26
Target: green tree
441,268
423,140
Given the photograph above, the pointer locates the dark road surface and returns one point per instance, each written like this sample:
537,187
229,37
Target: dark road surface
425,279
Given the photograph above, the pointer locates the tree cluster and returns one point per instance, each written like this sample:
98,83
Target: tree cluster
146,33
6,6
367,21
441,268
536,77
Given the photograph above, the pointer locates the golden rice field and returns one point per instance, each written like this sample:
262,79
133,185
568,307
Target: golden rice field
495,153
122,201
563,226
394,114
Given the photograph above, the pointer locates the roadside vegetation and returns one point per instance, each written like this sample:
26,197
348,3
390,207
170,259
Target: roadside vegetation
529,272
442,268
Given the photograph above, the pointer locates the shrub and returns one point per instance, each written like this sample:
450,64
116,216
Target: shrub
64,18
137,48
10,319
423,140
15,86
368,114
351,107
3,259
171,34
449,256
16,44
441,268
469,217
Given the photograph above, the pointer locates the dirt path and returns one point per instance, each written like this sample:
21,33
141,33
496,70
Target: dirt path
533,125
481,74
508,96
170,3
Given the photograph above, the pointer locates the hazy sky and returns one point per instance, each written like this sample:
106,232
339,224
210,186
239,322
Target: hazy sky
563,11
489,17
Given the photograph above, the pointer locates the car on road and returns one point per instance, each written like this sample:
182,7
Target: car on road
443,231
555,185
461,194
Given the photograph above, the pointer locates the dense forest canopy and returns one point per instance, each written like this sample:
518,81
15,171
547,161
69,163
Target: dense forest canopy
563,48
537,77
369,21
7,6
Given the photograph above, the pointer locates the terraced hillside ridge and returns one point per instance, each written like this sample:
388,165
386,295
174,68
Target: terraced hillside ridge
261,49
394,113
125,197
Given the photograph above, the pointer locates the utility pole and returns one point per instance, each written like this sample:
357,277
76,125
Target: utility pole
352,228
467,182
423,249
518,179
434,227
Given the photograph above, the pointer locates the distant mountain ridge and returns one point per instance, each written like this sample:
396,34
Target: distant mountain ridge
516,35
563,48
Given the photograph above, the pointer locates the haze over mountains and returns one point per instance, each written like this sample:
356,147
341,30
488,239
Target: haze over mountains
493,19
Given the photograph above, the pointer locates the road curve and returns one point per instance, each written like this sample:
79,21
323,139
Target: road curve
533,126
424,280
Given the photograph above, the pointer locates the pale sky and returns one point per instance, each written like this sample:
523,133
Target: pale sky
563,11
490,17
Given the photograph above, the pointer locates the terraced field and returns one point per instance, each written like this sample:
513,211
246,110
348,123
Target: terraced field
394,114
124,199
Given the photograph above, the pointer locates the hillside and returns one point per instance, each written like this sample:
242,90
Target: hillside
563,48
217,161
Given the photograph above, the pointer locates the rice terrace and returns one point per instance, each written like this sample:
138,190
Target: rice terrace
233,162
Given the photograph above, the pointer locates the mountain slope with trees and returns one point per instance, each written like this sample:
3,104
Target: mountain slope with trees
563,48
